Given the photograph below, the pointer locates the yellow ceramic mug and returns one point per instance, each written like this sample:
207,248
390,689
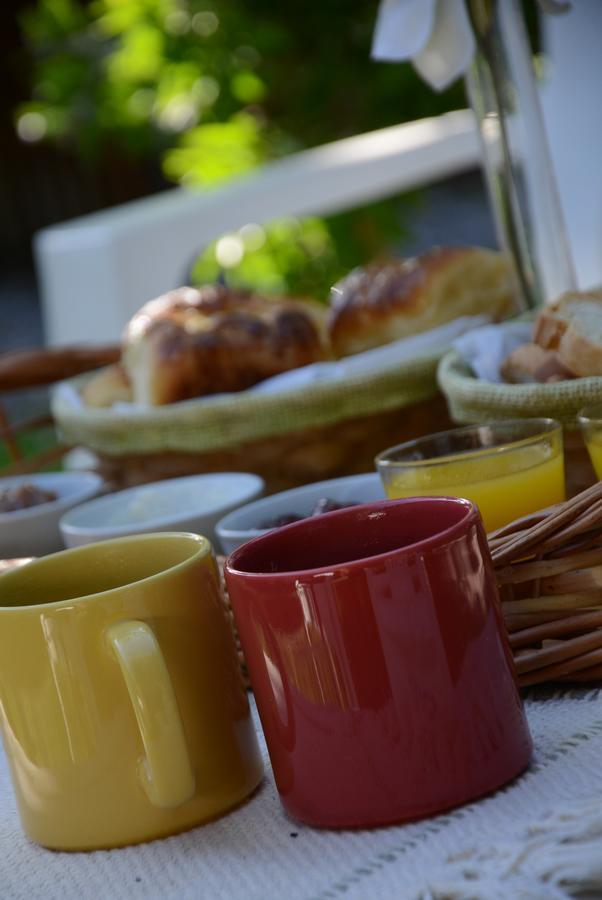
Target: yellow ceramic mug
123,712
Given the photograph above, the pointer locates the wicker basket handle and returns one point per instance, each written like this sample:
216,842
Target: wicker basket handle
27,368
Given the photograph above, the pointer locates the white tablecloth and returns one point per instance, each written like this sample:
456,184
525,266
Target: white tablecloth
536,838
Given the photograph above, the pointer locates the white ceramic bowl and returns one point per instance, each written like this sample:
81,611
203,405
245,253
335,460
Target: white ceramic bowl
35,531
247,522
194,503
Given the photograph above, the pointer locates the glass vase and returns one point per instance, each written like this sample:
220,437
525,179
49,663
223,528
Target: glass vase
518,169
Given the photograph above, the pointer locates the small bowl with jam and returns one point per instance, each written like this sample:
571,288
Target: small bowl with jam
263,515
31,506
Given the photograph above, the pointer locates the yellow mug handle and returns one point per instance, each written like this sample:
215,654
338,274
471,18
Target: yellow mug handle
166,772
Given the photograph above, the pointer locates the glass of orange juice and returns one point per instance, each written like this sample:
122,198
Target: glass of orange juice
509,469
590,420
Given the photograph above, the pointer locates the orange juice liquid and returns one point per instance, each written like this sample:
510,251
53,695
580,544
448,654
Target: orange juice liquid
595,454
504,487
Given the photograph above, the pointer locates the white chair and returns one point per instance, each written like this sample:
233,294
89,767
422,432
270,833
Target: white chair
97,270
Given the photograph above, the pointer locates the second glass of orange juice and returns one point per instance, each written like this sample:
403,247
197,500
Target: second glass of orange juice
590,420
509,469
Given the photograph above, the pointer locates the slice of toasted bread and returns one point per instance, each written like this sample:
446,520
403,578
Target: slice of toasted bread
554,319
580,347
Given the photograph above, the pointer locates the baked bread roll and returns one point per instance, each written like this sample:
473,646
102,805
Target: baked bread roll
193,342
386,301
530,363
106,387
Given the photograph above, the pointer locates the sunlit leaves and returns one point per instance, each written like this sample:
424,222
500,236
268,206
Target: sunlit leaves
292,256
139,57
137,72
218,151
247,87
115,17
214,88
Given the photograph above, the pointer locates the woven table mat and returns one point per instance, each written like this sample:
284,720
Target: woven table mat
257,853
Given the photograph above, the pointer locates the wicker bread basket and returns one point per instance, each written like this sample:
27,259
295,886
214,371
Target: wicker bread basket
289,438
292,437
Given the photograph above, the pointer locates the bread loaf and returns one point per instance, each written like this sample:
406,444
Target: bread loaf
395,299
194,342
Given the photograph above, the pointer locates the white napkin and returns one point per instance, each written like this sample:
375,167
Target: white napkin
437,340
435,34
485,349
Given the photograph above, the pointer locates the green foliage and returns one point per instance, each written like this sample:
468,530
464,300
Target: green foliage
301,257
217,151
214,88
289,256
32,443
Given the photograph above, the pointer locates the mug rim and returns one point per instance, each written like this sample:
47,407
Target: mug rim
439,539
203,550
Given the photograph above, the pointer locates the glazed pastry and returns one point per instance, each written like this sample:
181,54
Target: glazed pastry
194,342
398,298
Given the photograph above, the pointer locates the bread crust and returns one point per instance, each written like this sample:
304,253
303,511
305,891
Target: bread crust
106,387
194,342
530,362
398,298
554,319
549,328
572,326
567,341
580,354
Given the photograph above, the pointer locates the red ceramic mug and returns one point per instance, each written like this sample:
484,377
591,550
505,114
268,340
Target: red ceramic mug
379,661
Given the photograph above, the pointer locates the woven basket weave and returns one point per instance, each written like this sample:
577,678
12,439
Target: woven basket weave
549,569
214,423
289,438
472,399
